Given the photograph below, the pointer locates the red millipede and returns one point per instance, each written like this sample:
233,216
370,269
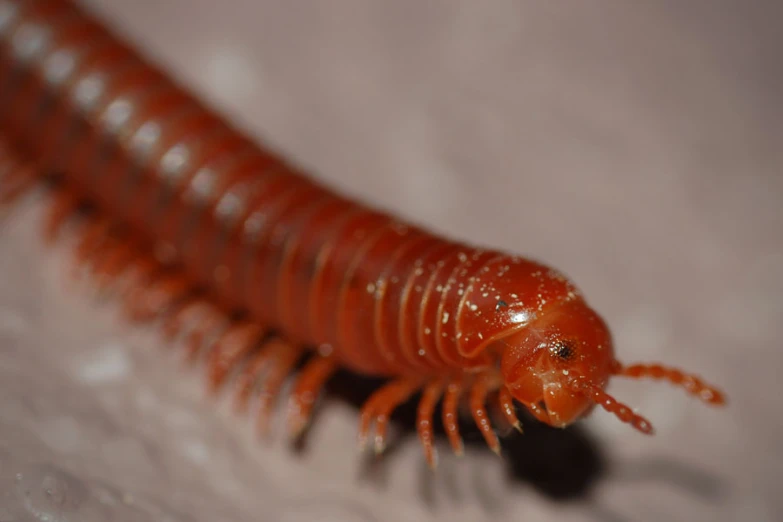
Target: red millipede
261,268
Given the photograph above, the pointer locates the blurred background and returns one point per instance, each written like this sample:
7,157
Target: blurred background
637,146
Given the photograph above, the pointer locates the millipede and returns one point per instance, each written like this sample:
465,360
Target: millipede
265,274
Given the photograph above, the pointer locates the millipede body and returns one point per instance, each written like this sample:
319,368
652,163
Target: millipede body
260,268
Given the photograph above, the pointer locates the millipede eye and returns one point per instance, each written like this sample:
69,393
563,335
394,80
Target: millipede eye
563,350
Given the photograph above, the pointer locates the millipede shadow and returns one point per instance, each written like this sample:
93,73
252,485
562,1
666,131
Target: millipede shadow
562,464
698,482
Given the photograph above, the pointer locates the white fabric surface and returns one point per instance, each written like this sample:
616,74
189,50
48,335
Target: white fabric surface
634,145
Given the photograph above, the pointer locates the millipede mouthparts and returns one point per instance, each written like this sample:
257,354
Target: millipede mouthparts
261,269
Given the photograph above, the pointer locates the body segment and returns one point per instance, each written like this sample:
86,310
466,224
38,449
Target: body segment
227,231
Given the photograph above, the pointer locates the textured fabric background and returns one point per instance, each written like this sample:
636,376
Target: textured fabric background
634,145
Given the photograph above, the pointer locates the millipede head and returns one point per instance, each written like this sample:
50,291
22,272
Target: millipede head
560,365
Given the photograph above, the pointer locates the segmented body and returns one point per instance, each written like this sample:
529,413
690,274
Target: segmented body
212,225
324,270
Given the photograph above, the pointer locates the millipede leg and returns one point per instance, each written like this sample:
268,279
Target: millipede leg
147,302
140,270
106,248
251,373
538,412
16,175
99,242
92,235
429,399
282,364
110,266
308,387
478,399
212,319
380,406
507,406
235,343
95,240
451,416
186,313
16,180
63,206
